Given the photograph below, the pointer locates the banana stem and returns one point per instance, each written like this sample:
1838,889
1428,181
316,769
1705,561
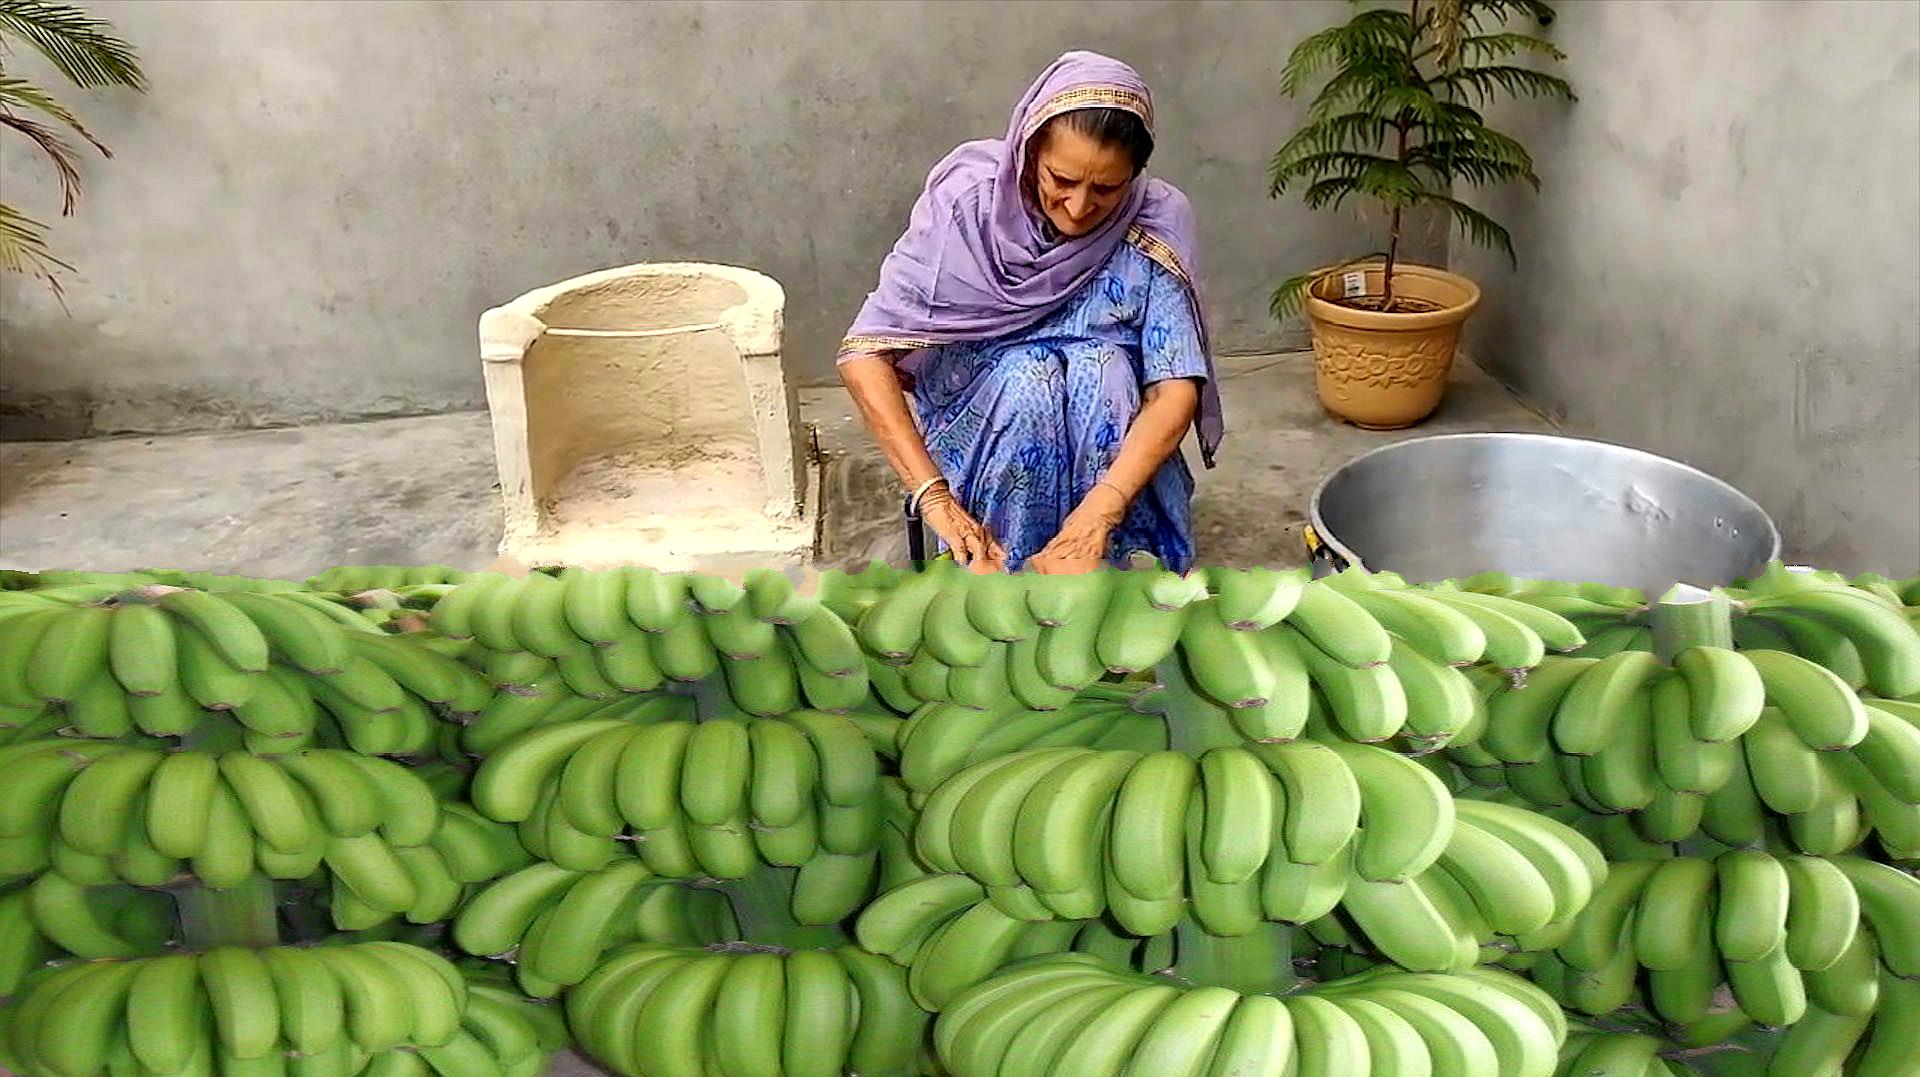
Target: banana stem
1194,723
215,732
763,908
1688,616
246,915
711,699
1260,963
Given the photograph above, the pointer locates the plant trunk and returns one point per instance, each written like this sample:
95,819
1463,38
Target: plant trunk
1688,616
1194,724
763,909
1257,964
1393,250
1400,155
246,915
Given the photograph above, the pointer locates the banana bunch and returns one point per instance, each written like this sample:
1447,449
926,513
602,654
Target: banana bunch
517,707
1903,594
1720,743
1035,641
22,947
1480,619
711,798
1074,1014
1865,632
938,739
90,922
1766,933
1507,877
353,579
555,924
199,581
96,811
20,724
321,1010
465,852
1507,880
1592,1052
744,1011
1244,833
1612,619
635,630
158,659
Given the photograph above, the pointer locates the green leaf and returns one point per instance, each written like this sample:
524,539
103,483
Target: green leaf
1391,182
1483,230
56,149
1375,33
1499,11
1281,173
1515,81
1287,299
1350,130
1290,296
23,247
1329,192
19,93
83,48
1505,44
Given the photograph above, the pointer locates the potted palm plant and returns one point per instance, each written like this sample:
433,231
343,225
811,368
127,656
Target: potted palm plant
1397,125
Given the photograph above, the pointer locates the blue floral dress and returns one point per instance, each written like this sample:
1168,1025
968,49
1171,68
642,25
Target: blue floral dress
1025,425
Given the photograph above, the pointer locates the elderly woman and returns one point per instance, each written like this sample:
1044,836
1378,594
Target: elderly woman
1042,309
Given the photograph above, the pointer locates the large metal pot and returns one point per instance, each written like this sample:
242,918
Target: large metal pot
1537,506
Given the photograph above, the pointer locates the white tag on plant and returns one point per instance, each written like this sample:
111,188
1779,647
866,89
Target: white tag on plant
1353,283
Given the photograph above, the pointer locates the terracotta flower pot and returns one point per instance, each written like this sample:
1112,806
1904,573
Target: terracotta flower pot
1385,371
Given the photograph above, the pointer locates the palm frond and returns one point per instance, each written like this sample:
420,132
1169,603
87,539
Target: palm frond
19,93
1390,183
1499,11
1348,130
1381,30
1329,192
1472,141
1292,293
1290,296
1507,44
1282,173
1448,28
1484,81
1475,225
83,48
23,247
55,148
1450,162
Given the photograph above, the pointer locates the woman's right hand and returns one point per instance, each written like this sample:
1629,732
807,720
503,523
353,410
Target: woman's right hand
972,544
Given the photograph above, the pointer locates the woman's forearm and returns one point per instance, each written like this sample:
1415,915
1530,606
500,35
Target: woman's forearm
1155,434
875,387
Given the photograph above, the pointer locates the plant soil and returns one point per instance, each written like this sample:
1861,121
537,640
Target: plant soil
1401,304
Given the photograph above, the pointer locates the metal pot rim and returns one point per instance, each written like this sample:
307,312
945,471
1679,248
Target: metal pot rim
1346,553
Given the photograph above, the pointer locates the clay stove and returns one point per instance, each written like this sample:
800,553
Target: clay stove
641,416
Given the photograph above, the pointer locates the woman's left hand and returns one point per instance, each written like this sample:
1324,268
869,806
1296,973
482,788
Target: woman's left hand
1081,546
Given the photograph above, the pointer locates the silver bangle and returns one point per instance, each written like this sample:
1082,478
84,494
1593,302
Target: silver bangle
913,503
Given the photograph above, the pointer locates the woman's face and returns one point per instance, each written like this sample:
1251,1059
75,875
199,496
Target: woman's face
1079,180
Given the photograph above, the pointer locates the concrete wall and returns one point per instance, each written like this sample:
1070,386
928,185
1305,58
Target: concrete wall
306,215
1724,263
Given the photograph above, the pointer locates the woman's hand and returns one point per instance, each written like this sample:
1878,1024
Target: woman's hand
972,544
1081,546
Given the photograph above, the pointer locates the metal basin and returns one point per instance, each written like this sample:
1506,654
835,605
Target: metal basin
1538,506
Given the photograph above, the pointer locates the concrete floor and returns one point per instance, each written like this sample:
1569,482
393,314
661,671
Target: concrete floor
415,491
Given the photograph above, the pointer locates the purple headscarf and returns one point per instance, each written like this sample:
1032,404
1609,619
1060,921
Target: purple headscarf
976,261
